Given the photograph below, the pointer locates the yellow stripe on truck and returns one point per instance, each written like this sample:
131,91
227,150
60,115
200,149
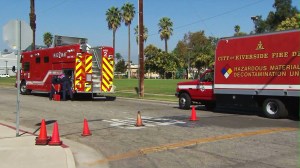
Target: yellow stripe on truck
79,72
88,70
107,74
88,64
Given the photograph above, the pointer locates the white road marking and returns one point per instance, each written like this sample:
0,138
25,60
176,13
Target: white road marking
129,123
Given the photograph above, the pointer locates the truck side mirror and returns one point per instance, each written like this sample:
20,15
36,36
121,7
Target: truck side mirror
13,68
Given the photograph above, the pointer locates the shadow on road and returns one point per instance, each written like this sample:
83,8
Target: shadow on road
79,97
241,111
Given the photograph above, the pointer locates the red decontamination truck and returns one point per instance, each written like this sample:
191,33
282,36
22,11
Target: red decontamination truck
261,70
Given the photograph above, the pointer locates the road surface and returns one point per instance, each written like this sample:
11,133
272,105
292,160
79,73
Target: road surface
168,139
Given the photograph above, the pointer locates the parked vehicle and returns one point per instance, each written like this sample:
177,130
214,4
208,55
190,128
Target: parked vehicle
91,69
4,76
260,70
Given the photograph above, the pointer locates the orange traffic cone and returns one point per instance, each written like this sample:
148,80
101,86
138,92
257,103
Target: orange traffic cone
193,114
139,121
86,130
55,140
42,139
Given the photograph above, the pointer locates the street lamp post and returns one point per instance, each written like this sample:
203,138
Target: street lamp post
189,60
255,19
6,71
189,65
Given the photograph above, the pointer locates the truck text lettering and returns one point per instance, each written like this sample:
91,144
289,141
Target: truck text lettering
280,55
296,54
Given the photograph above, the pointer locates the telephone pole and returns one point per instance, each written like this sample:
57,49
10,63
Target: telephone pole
32,18
141,49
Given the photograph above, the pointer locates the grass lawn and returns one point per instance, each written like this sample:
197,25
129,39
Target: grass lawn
8,81
156,89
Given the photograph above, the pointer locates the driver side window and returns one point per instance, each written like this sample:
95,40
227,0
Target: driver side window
208,77
26,66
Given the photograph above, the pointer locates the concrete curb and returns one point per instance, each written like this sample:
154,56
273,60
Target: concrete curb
22,152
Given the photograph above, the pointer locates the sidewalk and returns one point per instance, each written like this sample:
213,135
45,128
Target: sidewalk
21,152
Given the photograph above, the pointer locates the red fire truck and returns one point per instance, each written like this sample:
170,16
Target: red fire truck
91,69
252,71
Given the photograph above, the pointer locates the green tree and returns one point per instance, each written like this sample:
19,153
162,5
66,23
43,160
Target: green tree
283,10
48,39
259,24
201,46
145,34
169,64
118,56
151,54
237,29
166,30
181,52
128,12
195,50
290,23
159,61
113,18
120,66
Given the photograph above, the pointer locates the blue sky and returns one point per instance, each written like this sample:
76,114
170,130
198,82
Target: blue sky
86,18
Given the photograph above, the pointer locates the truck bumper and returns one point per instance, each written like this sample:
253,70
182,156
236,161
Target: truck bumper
177,94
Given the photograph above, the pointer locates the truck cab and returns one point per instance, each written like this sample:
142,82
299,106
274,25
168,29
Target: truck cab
197,91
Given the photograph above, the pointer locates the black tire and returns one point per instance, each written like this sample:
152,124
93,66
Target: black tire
23,89
184,101
274,108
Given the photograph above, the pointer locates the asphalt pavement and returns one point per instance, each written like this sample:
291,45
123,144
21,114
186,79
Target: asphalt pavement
168,139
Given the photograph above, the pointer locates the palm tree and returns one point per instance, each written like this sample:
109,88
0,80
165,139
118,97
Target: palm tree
48,39
145,34
127,16
118,56
32,18
165,29
113,18
237,29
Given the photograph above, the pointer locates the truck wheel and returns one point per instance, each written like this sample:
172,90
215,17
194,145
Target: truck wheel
274,108
184,101
23,89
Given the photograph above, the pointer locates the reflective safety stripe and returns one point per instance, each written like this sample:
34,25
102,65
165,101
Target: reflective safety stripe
107,74
88,87
88,64
88,69
79,73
